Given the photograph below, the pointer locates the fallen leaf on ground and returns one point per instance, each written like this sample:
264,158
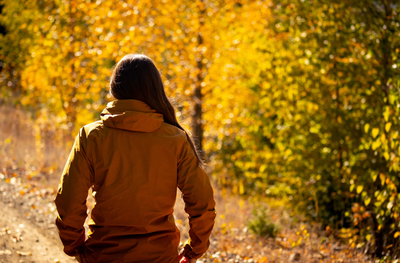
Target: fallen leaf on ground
5,252
22,253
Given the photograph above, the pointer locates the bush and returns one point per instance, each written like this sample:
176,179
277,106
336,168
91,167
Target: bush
262,225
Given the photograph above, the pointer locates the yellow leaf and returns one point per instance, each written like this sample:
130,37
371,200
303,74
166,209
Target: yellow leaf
386,156
367,201
388,126
382,177
241,187
375,132
299,241
386,113
262,168
374,176
359,189
366,127
383,138
224,228
375,145
396,234
8,180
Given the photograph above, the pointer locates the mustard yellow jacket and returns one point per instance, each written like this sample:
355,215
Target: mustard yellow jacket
135,162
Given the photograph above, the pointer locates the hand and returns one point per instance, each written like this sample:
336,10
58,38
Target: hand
183,259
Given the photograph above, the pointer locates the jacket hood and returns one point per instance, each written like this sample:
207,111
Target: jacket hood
131,115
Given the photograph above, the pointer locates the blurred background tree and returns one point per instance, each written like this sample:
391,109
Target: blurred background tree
291,99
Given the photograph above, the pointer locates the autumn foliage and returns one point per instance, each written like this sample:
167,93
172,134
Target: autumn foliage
296,100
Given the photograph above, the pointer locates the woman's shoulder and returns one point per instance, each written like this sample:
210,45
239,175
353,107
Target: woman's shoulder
91,128
171,130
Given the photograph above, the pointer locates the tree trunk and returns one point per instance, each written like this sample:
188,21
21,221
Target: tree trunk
197,128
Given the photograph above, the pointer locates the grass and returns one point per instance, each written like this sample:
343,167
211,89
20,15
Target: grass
34,145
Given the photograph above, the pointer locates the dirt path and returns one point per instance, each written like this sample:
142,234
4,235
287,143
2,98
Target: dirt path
27,229
22,241
28,232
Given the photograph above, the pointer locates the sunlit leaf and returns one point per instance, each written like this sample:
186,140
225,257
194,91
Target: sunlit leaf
375,132
388,126
366,127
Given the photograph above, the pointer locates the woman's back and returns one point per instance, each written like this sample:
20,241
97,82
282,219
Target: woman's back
134,161
135,166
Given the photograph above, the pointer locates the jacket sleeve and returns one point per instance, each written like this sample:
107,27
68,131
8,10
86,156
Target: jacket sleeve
71,196
199,202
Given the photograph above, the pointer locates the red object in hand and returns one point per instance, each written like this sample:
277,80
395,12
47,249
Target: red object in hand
184,260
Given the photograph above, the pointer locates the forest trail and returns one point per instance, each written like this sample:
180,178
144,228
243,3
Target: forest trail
23,241
28,233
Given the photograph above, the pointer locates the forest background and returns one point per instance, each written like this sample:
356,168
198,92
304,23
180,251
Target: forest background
292,101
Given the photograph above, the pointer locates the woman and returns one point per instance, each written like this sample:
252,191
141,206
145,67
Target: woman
134,159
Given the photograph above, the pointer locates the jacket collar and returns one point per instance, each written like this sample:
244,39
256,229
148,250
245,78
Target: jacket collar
132,115
119,106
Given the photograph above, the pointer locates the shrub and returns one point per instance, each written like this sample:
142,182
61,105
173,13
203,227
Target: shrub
262,225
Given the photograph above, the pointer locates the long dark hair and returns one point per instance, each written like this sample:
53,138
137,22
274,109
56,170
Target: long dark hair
136,77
